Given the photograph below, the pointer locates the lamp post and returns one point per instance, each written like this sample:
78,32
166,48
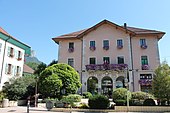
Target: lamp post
127,86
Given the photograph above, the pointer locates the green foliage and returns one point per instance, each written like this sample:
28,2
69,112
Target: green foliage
87,94
53,62
98,102
65,78
139,95
149,102
19,88
2,95
40,68
71,98
33,65
121,94
120,102
161,82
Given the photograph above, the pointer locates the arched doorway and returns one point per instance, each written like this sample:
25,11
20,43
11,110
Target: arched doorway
120,82
92,85
107,86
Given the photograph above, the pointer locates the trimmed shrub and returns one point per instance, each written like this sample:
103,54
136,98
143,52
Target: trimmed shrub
71,98
149,102
87,94
98,102
120,102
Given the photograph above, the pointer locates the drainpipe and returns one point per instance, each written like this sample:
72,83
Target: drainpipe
81,73
132,62
4,58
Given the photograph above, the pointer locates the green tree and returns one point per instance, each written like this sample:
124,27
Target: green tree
64,78
40,68
161,82
53,62
33,65
19,88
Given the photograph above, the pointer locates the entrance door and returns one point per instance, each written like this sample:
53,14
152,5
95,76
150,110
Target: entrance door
107,86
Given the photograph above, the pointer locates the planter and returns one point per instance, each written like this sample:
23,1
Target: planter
13,103
22,102
5,103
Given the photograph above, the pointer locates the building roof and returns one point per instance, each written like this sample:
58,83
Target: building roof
7,37
131,30
27,69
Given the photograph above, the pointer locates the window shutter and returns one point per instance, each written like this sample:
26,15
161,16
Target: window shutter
6,68
9,49
19,70
16,54
12,69
15,70
21,55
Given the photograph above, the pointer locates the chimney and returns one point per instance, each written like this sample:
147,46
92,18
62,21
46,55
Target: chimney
125,25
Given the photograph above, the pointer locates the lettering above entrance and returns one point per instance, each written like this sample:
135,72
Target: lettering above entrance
106,67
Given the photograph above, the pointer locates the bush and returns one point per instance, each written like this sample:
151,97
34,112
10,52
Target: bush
141,95
98,102
87,94
120,102
2,96
70,99
149,102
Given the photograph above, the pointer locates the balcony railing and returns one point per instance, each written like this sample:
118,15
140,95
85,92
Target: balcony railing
106,67
145,67
119,46
92,48
71,50
146,82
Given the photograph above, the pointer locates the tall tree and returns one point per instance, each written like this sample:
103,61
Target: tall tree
59,77
40,68
161,82
53,62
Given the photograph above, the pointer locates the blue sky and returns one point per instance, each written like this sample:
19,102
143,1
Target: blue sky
35,22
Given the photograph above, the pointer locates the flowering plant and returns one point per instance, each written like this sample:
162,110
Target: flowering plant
106,47
92,48
145,82
144,46
119,46
145,67
70,50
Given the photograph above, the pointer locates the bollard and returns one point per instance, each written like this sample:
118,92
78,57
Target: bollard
28,105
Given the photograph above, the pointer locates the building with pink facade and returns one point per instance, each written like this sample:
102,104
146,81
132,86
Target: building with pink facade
109,56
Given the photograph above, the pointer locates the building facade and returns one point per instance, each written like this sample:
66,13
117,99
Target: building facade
109,56
12,54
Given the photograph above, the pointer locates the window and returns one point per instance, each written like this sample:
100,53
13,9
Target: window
92,60
19,57
71,45
92,43
71,62
18,70
8,69
119,43
106,60
142,42
0,47
144,60
120,60
145,76
106,44
10,52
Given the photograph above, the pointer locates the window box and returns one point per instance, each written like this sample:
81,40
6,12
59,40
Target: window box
114,67
143,46
145,67
92,48
119,46
106,47
145,82
71,50
19,59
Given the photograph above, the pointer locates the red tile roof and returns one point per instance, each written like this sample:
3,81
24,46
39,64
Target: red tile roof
132,30
27,69
3,31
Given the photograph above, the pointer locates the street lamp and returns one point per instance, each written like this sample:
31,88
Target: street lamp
127,86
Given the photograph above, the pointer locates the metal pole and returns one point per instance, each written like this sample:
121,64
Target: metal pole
36,94
28,105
